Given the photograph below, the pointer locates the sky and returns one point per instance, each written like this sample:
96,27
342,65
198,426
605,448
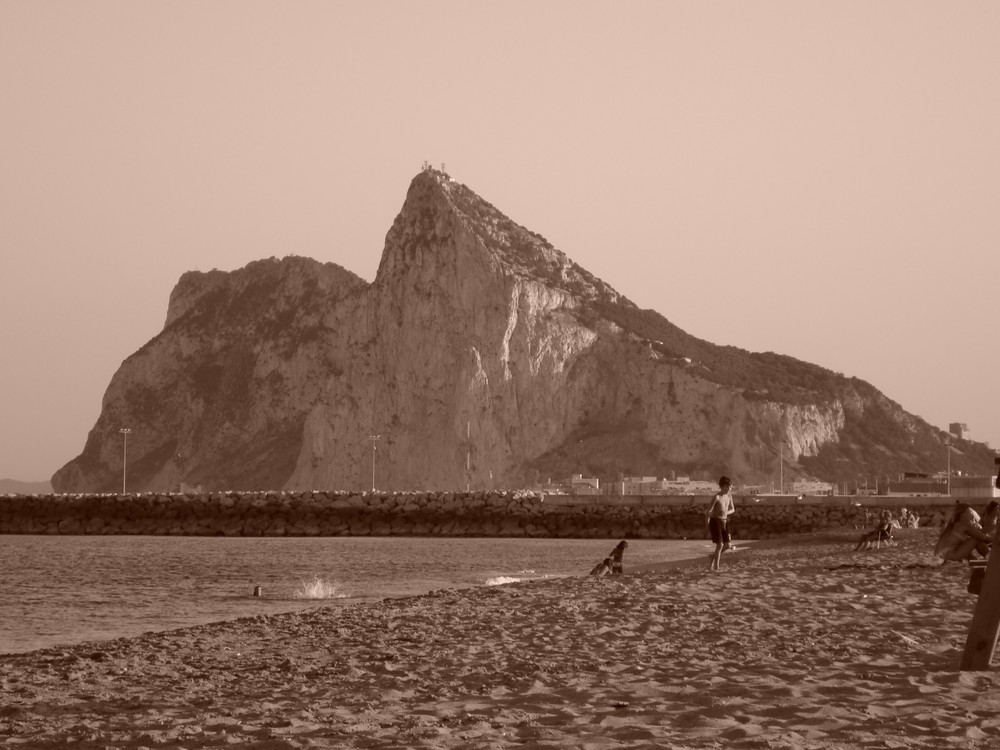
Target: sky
817,179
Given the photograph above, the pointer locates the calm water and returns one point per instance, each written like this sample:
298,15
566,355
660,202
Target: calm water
64,590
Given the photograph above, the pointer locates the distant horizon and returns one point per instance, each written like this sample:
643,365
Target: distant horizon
818,180
7,484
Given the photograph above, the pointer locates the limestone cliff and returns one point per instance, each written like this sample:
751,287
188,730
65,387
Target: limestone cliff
481,356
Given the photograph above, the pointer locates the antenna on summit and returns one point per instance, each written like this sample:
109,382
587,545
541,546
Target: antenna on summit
425,166
443,168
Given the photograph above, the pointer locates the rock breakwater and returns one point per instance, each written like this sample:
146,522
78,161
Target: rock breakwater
469,514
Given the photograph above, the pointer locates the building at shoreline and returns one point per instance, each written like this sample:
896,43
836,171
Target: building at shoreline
639,486
957,486
812,487
907,485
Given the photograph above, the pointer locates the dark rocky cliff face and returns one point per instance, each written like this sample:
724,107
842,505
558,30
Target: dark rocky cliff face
482,356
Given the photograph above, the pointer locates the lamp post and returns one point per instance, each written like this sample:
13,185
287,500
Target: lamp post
948,448
781,466
125,433
373,438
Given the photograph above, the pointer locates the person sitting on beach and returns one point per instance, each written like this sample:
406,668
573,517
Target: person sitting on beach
885,527
881,533
908,519
962,536
603,568
990,518
616,558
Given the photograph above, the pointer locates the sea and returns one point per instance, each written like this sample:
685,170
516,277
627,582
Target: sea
66,590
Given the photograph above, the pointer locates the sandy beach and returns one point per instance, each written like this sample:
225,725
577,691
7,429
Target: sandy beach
799,644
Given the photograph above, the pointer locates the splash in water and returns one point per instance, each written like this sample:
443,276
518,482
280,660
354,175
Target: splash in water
317,588
524,575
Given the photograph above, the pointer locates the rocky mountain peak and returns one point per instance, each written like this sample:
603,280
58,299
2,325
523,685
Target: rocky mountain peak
261,287
440,214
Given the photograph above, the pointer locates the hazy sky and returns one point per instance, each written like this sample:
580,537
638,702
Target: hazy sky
818,179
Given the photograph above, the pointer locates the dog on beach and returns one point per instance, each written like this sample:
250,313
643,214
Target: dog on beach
878,535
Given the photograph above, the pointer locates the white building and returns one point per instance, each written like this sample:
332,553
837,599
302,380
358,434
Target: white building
811,487
653,486
642,486
581,485
976,488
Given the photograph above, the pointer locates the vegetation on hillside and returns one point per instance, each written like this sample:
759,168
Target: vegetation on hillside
763,376
525,252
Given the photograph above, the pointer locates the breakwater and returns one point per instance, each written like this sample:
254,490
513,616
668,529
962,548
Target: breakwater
471,514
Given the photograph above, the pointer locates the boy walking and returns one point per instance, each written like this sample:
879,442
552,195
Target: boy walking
718,514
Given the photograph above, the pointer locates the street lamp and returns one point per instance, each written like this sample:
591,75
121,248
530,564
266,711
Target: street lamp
373,438
781,466
948,448
125,433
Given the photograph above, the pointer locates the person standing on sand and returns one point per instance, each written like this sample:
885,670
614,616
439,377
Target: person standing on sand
718,514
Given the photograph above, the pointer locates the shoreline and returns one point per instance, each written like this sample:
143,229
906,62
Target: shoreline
146,584
796,643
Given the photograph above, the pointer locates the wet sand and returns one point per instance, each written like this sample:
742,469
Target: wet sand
797,644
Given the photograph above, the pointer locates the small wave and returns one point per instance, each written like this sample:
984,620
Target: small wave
318,588
528,575
501,580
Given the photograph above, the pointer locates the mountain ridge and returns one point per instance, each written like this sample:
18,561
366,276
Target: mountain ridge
482,356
